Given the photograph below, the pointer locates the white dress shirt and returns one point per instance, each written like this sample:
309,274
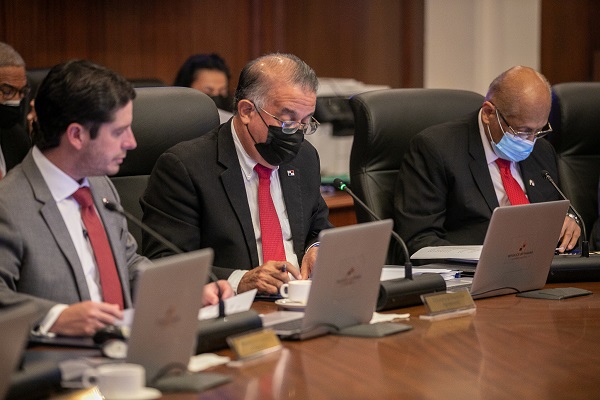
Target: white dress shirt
491,158
251,183
62,187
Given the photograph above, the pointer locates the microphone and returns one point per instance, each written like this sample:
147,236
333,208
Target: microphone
109,205
407,291
583,242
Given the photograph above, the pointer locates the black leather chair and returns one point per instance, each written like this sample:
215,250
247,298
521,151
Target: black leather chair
385,122
575,118
162,117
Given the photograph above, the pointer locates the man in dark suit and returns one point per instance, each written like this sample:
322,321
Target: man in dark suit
14,140
450,180
59,246
206,192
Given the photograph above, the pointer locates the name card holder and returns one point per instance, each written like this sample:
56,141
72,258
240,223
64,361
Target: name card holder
448,305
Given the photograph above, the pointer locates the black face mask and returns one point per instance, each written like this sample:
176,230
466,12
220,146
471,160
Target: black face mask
223,102
280,147
10,115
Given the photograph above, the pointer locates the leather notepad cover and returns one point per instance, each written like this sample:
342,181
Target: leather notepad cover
555,294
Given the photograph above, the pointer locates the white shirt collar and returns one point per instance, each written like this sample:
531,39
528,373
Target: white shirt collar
60,184
246,162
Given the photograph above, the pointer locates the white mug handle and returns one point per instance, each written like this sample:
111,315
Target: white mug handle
89,378
283,290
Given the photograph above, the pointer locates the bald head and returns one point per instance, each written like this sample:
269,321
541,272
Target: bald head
264,73
521,91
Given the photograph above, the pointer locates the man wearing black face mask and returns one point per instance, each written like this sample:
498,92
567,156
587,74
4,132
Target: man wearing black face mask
250,188
14,141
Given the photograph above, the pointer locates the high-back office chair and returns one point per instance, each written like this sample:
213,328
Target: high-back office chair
385,121
575,118
162,117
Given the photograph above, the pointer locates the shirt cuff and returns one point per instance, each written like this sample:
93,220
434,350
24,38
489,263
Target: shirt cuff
235,278
315,244
50,319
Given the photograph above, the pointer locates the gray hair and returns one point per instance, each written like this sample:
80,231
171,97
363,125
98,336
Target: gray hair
9,57
259,75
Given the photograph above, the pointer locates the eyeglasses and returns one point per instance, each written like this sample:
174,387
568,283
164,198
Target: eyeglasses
9,91
539,133
289,127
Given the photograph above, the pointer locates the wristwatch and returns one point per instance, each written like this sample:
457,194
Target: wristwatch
571,215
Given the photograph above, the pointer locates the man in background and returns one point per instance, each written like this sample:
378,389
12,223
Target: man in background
455,174
250,189
14,140
59,246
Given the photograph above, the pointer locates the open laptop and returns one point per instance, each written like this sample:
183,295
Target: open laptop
518,249
15,324
345,282
165,323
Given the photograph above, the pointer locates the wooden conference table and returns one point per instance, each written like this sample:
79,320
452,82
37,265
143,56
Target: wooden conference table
512,348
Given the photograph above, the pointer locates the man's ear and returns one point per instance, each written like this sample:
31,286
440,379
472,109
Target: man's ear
77,135
245,108
487,109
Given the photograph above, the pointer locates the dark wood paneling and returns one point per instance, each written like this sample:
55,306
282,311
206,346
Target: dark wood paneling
570,37
375,41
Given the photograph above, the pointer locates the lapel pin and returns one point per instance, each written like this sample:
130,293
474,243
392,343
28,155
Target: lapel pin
531,182
291,172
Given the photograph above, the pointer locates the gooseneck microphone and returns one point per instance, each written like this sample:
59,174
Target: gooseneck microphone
406,291
583,242
109,205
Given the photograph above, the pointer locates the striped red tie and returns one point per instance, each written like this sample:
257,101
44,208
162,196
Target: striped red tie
515,194
270,228
112,291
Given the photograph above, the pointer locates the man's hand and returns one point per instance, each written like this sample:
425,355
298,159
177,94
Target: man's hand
268,277
211,292
308,262
85,318
569,235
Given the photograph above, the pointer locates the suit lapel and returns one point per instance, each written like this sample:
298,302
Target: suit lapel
234,187
290,177
55,223
478,166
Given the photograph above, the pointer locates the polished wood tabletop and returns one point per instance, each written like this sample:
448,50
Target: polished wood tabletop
511,348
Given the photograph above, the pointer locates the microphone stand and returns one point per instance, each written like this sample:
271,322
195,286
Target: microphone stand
583,242
407,291
120,210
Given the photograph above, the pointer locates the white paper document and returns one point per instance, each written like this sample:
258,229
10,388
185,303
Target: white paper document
458,253
240,303
389,273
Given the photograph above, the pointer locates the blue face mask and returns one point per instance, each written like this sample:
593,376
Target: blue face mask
511,147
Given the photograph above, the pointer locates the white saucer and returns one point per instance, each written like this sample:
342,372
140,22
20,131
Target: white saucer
142,394
290,304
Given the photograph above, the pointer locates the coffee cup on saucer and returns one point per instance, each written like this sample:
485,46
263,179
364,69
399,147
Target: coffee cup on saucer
120,382
296,291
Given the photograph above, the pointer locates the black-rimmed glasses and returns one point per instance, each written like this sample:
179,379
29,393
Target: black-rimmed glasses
9,91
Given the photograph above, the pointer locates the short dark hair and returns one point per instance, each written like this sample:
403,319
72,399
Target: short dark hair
188,72
77,91
254,84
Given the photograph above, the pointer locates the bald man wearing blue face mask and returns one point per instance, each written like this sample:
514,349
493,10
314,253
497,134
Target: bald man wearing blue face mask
455,174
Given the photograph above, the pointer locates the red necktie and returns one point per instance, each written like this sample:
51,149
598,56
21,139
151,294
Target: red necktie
109,278
515,194
272,238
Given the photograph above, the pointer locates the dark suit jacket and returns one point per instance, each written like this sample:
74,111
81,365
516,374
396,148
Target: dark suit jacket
15,144
444,193
37,257
595,235
196,198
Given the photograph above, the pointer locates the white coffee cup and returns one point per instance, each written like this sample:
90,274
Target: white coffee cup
117,381
296,290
